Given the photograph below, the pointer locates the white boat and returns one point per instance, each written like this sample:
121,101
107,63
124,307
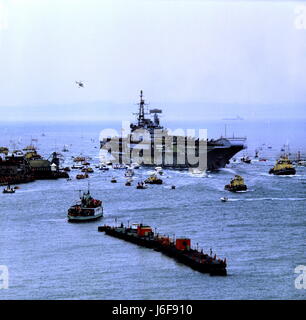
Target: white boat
103,167
224,199
135,165
159,170
129,173
87,209
195,172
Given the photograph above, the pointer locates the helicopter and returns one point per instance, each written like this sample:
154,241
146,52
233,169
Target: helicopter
80,84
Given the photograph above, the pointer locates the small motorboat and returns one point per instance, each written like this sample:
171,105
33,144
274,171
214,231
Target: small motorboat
135,165
103,167
224,199
141,185
128,183
245,160
173,187
65,148
129,173
82,176
77,166
113,180
8,189
79,159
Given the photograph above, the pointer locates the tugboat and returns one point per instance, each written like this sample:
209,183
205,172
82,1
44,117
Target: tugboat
87,209
8,189
153,180
236,184
283,166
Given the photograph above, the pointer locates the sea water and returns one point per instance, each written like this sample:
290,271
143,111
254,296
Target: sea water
261,232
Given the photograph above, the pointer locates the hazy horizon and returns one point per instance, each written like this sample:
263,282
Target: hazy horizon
193,59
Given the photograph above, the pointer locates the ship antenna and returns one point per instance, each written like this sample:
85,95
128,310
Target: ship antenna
141,108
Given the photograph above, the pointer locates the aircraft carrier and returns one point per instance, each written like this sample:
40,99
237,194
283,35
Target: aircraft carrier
150,144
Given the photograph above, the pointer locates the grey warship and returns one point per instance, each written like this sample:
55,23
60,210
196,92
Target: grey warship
165,150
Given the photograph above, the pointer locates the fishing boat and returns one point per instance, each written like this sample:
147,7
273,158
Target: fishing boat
236,184
8,189
283,166
87,209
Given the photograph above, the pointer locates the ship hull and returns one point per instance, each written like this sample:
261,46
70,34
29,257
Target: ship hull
218,155
84,219
284,172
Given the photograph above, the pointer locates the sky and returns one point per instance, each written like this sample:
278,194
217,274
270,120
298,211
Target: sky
195,58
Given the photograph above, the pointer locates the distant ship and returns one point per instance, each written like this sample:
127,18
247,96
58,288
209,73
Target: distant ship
166,151
237,118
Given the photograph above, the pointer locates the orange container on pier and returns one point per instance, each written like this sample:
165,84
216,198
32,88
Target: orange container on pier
183,244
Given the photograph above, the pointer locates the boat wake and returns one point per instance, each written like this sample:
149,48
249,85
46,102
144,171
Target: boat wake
228,170
272,199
